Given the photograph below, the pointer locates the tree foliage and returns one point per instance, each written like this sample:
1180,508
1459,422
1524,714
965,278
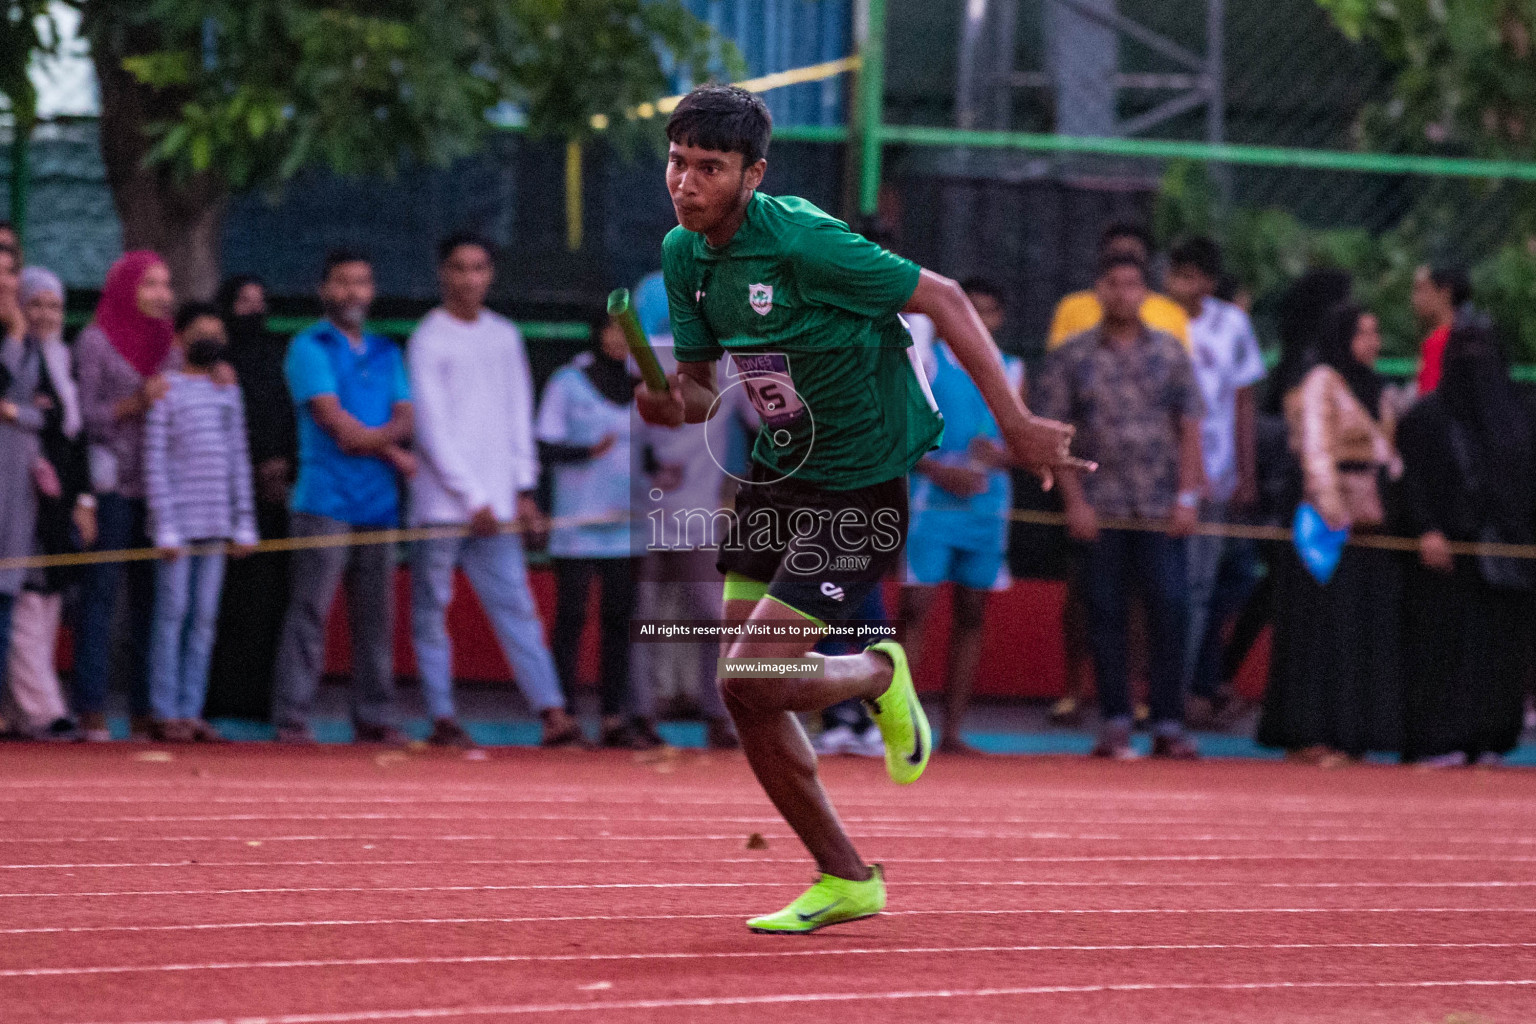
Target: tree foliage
264,88
1465,78
26,31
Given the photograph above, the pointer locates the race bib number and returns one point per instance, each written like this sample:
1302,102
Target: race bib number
769,387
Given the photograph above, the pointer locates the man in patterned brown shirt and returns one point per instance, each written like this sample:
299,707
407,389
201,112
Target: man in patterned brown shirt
1131,392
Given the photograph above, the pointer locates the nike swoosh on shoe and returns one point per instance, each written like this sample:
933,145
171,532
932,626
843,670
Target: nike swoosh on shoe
823,910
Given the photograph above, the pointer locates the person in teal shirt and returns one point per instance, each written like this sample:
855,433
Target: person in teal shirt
809,313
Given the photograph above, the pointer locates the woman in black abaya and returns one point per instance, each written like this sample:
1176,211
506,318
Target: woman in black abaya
1470,475
1335,688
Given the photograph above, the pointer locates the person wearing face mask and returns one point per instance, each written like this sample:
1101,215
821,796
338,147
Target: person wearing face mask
353,401
122,356
197,473
255,589
583,430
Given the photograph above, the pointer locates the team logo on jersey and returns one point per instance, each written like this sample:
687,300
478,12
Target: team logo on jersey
761,297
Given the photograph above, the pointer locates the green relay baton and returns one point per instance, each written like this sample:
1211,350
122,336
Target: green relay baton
622,310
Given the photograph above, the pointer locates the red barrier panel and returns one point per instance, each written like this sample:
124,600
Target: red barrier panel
1022,654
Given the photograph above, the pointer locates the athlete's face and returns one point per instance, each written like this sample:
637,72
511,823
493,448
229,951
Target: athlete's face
709,187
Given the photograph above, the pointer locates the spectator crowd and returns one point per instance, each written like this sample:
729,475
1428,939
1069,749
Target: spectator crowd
195,432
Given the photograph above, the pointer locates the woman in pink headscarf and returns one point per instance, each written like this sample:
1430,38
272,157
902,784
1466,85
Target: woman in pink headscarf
122,356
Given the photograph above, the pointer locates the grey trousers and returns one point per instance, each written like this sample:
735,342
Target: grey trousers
692,583
316,573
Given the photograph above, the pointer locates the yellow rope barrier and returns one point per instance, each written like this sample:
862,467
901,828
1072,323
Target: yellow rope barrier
340,540
1383,542
1379,541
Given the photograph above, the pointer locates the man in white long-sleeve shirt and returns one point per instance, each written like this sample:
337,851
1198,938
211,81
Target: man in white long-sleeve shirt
479,465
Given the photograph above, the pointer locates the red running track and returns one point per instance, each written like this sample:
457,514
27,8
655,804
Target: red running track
337,885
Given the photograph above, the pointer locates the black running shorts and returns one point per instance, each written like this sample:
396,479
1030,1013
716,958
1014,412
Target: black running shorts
819,551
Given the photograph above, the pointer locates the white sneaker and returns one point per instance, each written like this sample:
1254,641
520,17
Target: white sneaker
1455,759
1488,759
870,744
840,739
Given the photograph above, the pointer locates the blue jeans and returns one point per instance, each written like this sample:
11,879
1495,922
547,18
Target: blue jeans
499,573
186,612
120,524
1223,572
1156,563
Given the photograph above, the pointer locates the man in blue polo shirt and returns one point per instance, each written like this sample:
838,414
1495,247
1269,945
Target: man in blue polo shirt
354,414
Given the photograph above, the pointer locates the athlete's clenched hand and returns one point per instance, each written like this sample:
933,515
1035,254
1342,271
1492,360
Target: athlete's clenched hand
664,409
1043,446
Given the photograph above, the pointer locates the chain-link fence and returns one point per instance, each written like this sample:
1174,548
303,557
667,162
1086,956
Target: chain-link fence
1276,82
1206,78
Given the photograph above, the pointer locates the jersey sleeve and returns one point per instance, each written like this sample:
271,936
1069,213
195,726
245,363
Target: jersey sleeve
692,340
838,267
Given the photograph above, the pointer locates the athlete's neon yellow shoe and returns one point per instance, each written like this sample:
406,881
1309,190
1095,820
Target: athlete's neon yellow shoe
899,714
831,900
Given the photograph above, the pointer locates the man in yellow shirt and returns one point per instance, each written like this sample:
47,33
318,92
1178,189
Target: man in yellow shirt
1081,310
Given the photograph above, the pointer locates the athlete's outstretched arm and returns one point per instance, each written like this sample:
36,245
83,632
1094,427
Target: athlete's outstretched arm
689,398
1040,445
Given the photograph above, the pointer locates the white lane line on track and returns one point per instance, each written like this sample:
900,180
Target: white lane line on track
948,884
426,1013
1066,798
612,918
515,958
756,819
1193,858
1269,838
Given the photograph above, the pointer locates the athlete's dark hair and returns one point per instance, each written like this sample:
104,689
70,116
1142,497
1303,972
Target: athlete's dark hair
191,311
1114,261
1453,280
1199,252
340,256
723,118
458,240
1125,229
981,286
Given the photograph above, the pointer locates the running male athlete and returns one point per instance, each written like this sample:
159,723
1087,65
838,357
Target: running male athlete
808,311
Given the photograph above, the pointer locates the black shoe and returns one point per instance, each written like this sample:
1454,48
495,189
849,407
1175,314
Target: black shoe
62,730
1174,748
720,735
637,734
387,735
448,733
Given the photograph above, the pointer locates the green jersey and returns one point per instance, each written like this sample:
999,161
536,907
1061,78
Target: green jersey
808,311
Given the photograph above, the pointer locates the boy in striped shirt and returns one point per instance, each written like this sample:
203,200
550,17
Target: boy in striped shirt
198,476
